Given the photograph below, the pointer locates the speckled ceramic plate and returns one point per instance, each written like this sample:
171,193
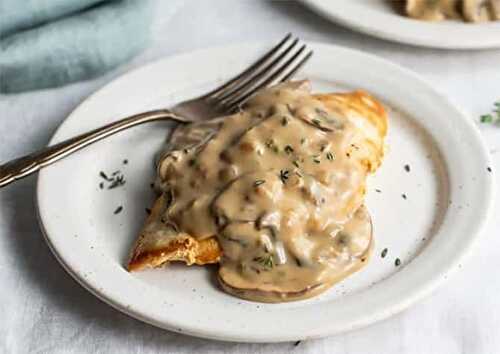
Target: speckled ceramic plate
381,19
427,215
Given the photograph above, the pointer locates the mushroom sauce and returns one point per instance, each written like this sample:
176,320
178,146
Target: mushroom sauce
281,185
469,10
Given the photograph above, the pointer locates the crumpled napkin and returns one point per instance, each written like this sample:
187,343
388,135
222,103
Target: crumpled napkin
48,43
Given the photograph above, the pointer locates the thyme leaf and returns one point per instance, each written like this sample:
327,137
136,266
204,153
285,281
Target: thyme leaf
266,261
316,122
494,116
258,182
289,149
284,174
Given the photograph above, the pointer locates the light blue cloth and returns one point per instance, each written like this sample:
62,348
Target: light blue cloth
48,43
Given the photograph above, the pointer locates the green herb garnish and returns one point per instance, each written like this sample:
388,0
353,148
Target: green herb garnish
118,210
316,122
272,145
493,117
103,175
266,261
117,182
486,118
284,174
330,156
384,253
397,262
258,182
288,149
284,121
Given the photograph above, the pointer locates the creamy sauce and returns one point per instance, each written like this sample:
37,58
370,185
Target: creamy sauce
281,185
469,10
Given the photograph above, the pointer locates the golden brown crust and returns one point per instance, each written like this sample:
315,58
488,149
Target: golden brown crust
363,105
207,252
182,248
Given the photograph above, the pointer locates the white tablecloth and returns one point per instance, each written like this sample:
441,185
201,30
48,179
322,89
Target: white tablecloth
43,310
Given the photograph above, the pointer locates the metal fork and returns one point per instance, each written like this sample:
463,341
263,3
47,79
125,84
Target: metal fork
277,65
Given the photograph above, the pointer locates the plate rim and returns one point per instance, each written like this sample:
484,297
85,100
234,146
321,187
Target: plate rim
417,294
384,29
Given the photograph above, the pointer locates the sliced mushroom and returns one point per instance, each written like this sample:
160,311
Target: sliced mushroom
495,8
481,10
470,10
291,281
433,10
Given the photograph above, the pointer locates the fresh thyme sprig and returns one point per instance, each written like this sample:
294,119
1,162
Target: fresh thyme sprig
494,116
266,261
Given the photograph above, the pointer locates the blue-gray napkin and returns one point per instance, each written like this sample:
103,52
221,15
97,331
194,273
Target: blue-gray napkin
48,43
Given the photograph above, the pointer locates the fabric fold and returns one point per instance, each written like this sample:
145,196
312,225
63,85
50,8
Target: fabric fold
73,48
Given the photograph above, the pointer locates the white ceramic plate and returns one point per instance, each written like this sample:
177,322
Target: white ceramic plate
378,18
448,190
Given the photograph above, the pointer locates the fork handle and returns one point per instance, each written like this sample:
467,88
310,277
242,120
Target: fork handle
26,165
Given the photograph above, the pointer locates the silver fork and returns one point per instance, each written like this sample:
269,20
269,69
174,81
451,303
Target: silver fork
277,65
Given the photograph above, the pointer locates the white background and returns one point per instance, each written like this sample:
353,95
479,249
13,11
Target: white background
43,310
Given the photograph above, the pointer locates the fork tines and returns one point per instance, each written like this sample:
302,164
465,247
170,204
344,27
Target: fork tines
279,64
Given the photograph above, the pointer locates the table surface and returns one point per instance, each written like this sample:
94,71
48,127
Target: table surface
43,310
